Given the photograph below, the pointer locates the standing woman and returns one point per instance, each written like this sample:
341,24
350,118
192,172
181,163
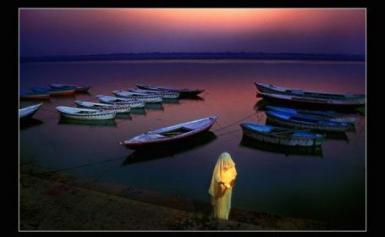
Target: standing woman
221,186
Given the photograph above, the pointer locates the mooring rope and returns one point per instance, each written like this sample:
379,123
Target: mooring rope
235,122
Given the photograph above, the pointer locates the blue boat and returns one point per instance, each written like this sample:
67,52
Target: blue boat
315,114
306,122
281,135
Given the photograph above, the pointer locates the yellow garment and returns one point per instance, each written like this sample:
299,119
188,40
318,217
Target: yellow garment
221,185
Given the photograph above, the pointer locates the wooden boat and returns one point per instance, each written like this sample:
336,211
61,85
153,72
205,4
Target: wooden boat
123,108
78,88
313,101
171,133
34,96
133,103
138,96
54,92
315,114
85,114
281,136
306,122
29,111
348,98
167,150
183,92
163,94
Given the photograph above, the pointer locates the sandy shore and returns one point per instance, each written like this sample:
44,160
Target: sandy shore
54,201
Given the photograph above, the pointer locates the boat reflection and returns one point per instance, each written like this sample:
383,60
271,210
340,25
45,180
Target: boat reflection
196,97
29,122
169,150
123,116
97,123
328,135
138,111
154,106
276,148
361,110
170,101
260,105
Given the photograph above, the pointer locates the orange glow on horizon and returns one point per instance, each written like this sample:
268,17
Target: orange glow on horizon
236,20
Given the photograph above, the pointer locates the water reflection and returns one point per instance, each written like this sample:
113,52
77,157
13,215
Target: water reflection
195,97
337,136
361,110
170,101
169,150
138,111
97,123
275,148
29,122
154,106
123,116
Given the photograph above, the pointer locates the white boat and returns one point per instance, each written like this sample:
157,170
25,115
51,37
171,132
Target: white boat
147,98
123,108
134,104
29,111
171,133
85,114
163,94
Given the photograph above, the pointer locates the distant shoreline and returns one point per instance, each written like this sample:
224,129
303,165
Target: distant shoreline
195,56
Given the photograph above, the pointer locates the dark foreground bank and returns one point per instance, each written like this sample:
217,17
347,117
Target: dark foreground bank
53,201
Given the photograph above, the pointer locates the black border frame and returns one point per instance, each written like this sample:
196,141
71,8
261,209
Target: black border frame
375,75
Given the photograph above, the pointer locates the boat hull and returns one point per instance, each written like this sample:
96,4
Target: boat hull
78,89
268,88
182,92
277,148
311,103
28,112
64,92
145,99
35,97
284,139
101,116
318,115
134,104
307,125
114,108
163,94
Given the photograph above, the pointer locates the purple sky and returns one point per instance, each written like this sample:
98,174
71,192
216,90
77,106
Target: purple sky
98,31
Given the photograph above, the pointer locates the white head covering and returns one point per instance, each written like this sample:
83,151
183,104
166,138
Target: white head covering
224,171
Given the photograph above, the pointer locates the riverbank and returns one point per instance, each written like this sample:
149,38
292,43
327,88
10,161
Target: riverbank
55,201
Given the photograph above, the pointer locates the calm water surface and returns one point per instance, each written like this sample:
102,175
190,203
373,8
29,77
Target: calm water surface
328,187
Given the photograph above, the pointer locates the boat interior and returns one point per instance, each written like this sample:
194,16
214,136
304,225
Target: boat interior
175,132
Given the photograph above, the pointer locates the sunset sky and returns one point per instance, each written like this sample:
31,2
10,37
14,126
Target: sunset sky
98,31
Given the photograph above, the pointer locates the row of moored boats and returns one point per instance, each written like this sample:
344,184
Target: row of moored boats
296,127
123,101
